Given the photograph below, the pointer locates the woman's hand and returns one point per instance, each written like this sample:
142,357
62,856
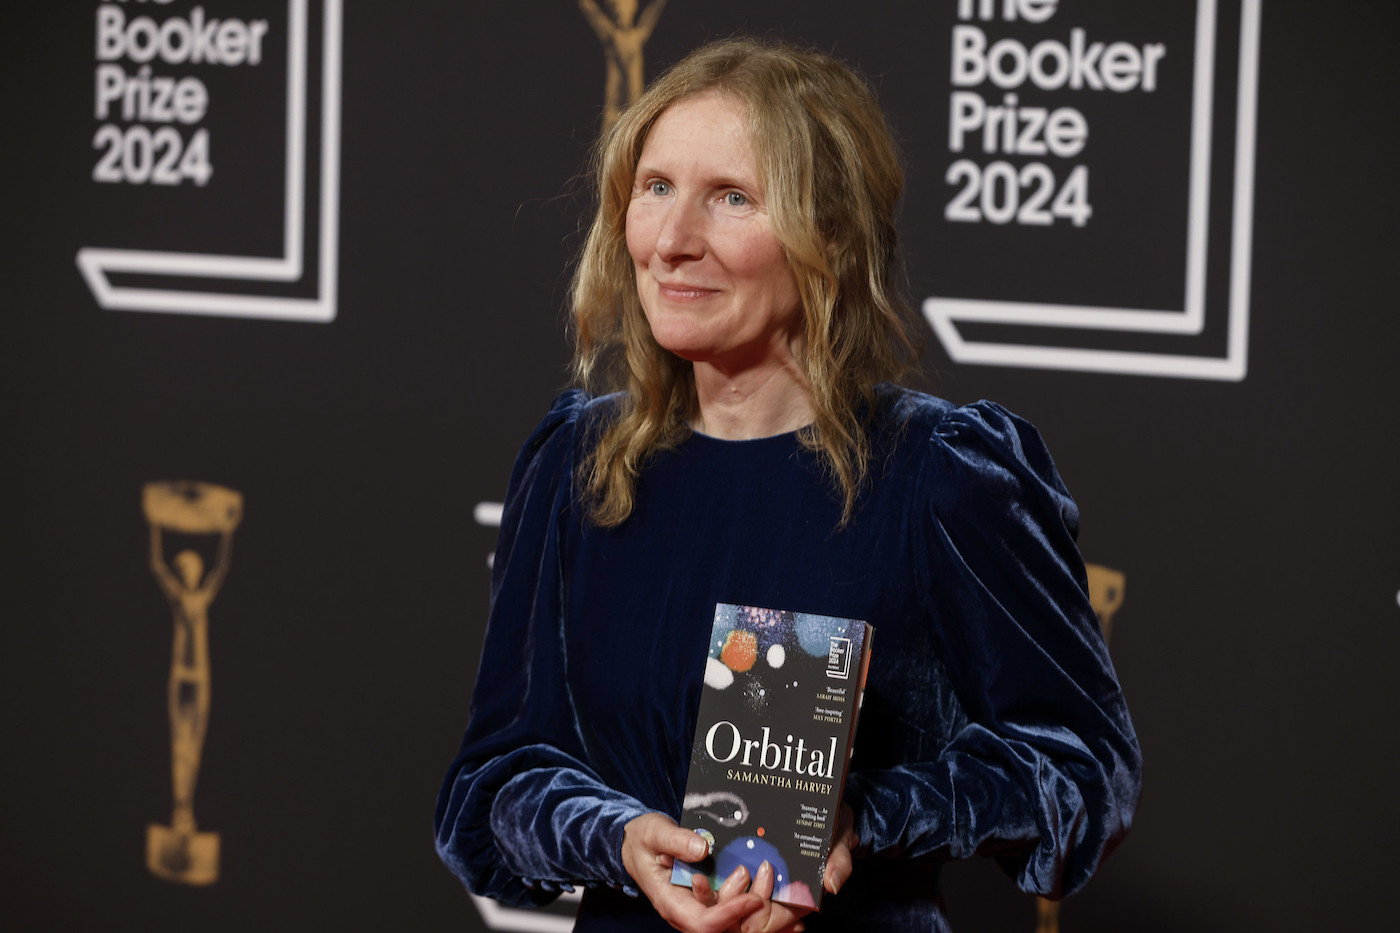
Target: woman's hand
773,917
838,862
651,843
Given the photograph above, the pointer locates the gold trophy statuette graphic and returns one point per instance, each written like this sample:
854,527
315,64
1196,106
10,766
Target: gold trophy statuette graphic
623,34
1106,587
179,852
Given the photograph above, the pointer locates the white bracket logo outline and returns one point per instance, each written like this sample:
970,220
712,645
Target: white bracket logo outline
96,263
516,920
944,314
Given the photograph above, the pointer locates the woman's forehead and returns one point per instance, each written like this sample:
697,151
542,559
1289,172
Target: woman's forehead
707,131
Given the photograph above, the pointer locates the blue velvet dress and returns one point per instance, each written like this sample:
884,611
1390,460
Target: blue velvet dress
993,721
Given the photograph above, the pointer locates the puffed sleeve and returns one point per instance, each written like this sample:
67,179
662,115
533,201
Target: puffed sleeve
1044,770
521,814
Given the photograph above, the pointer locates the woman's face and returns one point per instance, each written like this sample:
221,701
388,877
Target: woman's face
713,279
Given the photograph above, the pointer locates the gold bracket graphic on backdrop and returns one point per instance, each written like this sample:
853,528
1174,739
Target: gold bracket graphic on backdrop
623,34
1106,588
179,852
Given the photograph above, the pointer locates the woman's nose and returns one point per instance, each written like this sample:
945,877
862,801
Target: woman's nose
681,235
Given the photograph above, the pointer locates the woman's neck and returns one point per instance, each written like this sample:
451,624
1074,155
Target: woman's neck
749,404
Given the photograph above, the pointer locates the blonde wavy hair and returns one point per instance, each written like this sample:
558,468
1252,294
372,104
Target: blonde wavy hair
832,178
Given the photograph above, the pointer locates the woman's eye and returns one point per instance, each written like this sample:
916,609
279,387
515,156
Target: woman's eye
660,188
736,199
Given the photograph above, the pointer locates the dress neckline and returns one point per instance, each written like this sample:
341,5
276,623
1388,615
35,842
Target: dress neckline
784,438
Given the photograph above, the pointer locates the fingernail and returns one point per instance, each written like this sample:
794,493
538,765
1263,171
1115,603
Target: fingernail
764,881
698,849
736,880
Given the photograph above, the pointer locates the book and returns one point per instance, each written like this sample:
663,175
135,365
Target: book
772,745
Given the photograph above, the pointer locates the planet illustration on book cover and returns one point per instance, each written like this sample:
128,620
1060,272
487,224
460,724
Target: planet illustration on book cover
777,710
751,852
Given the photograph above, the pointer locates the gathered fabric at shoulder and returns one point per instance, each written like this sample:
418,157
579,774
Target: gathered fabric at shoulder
1044,770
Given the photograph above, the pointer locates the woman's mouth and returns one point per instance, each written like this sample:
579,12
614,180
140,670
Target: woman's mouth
679,291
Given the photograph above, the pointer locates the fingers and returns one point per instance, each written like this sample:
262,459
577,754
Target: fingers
763,881
700,910
839,863
736,883
651,842
680,843
700,887
838,868
656,838
776,920
773,917
685,914
727,914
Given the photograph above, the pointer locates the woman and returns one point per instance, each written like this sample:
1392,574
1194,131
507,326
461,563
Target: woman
739,285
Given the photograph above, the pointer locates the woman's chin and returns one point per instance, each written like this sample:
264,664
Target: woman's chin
683,343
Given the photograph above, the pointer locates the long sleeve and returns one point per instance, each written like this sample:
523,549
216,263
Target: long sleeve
521,814
1042,767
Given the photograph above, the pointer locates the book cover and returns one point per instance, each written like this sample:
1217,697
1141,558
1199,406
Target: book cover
772,742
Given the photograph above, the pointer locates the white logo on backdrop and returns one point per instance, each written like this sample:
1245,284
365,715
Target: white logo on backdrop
945,314
488,515
499,917
98,263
